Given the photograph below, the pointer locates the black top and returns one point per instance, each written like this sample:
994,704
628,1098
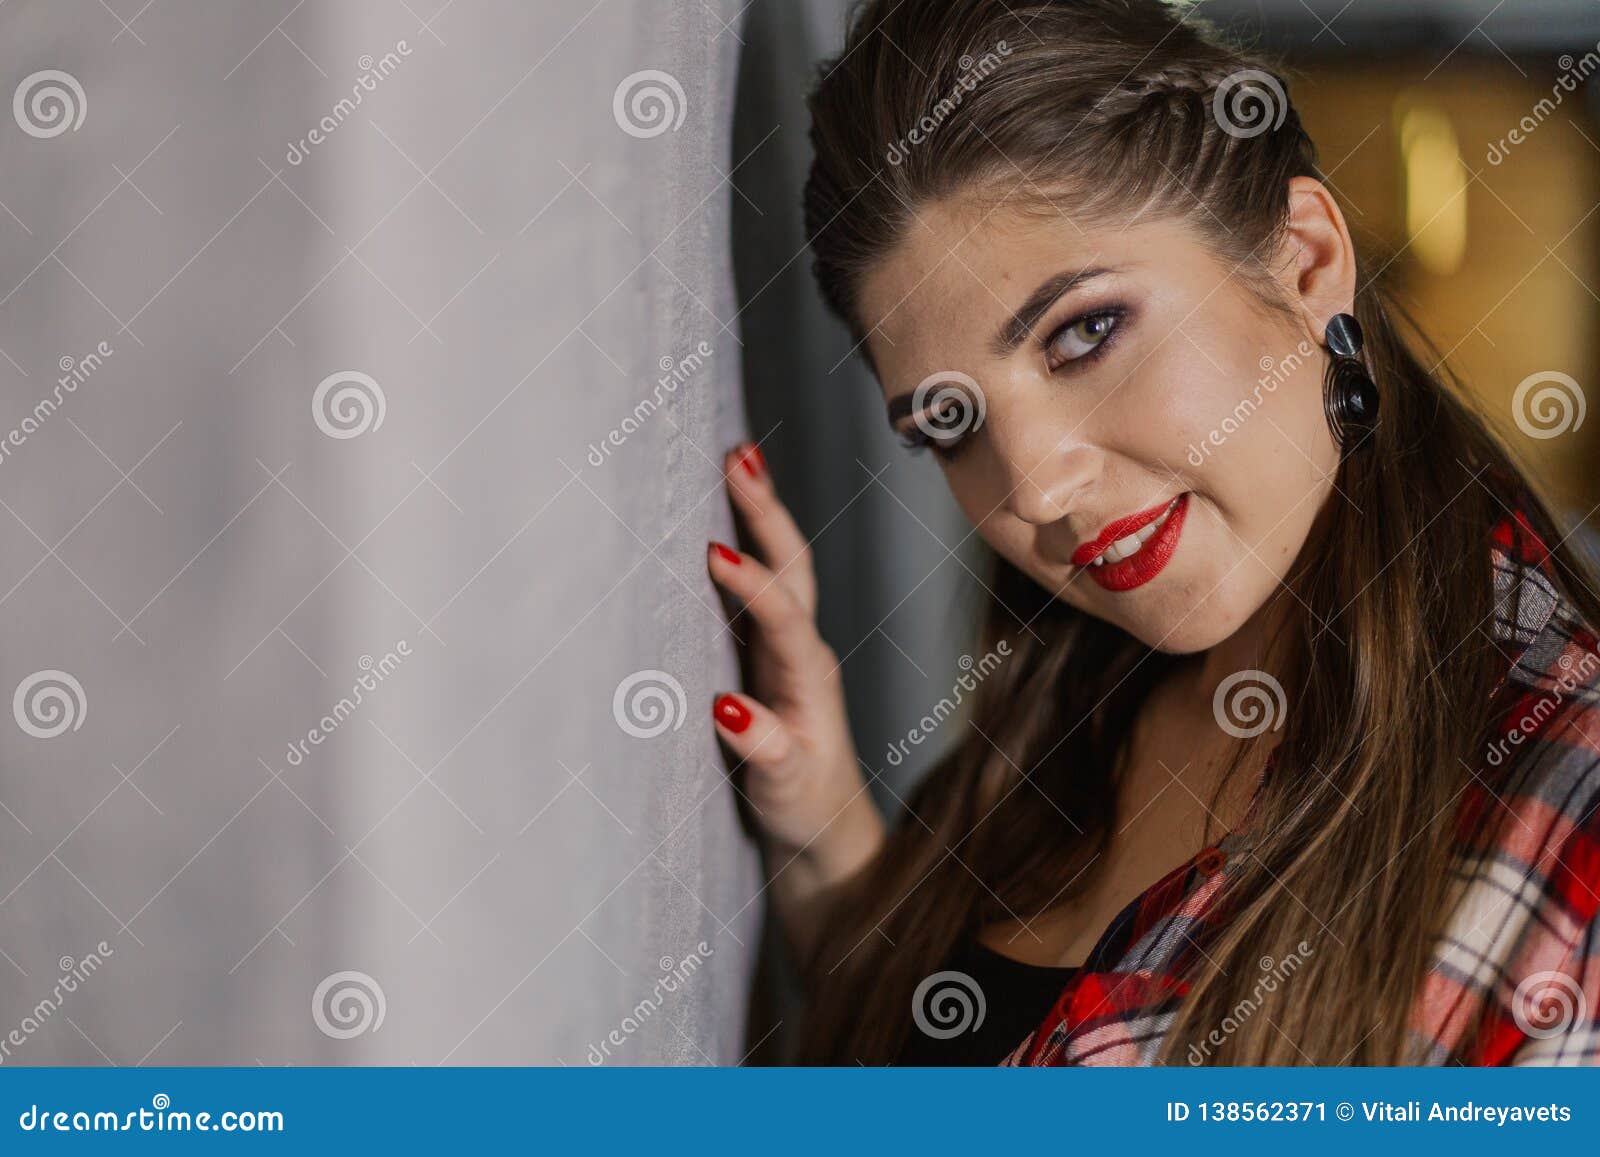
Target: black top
1014,998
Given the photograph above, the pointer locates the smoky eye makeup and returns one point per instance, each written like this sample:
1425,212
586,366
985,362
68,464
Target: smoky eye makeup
943,425
1085,337
1081,339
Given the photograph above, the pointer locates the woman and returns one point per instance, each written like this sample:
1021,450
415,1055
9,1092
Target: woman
1290,755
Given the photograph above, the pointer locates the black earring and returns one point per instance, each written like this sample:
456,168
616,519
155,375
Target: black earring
1349,395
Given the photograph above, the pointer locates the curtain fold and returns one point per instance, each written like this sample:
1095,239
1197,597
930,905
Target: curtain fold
373,547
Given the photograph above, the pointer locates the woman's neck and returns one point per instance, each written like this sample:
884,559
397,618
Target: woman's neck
1186,702
1255,646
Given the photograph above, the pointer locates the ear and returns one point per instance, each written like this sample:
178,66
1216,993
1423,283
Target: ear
1319,270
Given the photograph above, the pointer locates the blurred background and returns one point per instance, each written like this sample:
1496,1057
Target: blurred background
1460,135
395,346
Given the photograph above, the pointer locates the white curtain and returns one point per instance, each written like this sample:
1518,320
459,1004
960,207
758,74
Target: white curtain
402,351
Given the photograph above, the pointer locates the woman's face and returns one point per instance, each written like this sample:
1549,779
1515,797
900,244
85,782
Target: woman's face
1117,414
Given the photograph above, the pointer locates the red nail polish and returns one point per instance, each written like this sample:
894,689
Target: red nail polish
728,553
732,714
753,462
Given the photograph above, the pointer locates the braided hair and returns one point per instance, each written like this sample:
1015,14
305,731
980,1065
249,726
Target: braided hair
1153,110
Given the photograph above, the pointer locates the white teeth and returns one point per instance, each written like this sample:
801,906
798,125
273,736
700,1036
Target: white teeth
1129,545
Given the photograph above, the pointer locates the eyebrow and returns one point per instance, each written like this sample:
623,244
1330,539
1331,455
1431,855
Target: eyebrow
1015,331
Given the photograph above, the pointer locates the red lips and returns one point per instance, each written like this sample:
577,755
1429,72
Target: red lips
1145,563
1121,528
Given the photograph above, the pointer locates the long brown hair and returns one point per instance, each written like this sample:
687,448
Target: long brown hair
1112,106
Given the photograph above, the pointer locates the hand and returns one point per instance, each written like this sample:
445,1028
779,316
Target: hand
791,736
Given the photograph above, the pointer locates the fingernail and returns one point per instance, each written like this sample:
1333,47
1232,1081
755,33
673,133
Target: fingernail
732,714
728,553
755,465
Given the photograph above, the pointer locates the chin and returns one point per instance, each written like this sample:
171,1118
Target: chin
1181,625
1188,638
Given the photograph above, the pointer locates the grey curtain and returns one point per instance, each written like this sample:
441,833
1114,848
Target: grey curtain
366,369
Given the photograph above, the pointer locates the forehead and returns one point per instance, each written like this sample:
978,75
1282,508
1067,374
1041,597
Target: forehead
963,267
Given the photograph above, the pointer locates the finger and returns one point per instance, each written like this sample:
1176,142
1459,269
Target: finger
786,624
767,520
755,734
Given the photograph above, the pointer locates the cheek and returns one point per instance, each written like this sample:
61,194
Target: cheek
981,495
982,500
1264,476
1248,434
1175,420
1278,457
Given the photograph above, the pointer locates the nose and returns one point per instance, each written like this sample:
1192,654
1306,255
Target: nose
1044,481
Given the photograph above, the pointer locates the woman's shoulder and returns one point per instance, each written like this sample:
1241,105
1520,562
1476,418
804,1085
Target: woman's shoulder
1540,774
1523,941
1541,764
1516,975
1548,714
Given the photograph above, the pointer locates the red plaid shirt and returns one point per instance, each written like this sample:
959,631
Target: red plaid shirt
1522,949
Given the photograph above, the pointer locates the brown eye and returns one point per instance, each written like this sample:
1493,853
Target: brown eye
1080,338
